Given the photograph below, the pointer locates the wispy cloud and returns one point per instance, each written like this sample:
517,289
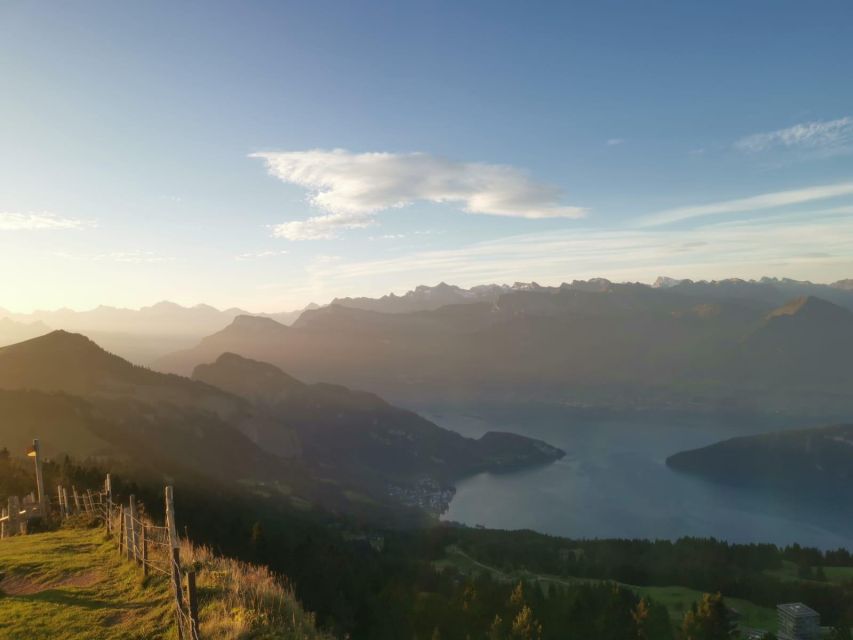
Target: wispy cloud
353,187
400,236
38,221
753,203
806,135
258,255
810,244
321,227
615,142
131,257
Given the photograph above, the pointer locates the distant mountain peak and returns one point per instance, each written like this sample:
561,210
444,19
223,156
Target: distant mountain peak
665,282
440,287
59,361
255,323
526,286
246,377
844,285
165,305
424,298
60,338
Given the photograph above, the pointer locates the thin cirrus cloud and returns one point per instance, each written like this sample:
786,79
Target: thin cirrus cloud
353,187
38,221
752,203
806,135
812,242
258,255
135,256
321,227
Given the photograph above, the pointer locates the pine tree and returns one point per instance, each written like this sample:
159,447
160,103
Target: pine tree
517,597
709,620
640,614
496,631
525,626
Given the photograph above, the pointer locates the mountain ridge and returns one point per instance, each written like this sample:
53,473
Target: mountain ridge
243,421
586,343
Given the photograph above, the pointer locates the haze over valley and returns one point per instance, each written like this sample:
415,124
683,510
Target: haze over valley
584,368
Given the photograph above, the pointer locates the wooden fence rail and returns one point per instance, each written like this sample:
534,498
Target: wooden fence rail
154,548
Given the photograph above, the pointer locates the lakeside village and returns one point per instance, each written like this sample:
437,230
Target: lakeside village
426,493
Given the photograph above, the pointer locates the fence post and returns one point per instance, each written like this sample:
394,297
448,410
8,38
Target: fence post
65,502
3,513
134,538
192,603
59,502
14,514
91,502
144,551
44,503
108,487
128,534
120,528
76,499
175,549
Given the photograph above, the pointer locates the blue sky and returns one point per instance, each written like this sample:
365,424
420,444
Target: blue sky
269,154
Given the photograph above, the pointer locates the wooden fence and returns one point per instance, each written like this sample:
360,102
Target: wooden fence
155,548
15,517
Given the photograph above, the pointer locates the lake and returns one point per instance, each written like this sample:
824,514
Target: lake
614,482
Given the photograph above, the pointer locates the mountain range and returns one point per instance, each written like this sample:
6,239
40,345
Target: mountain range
140,335
426,298
592,343
12,331
240,421
144,335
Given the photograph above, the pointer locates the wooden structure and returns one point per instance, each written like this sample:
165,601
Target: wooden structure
15,517
155,548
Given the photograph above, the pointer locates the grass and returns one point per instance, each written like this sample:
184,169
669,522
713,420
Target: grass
71,584
240,600
789,572
839,574
676,599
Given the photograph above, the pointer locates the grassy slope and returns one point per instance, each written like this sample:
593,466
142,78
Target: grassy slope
70,584
836,575
676,599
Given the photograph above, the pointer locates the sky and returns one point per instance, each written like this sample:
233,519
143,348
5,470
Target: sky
268,154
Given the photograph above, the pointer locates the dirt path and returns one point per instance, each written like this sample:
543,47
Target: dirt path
71,584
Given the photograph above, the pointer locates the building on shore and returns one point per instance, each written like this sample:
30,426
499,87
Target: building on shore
798,622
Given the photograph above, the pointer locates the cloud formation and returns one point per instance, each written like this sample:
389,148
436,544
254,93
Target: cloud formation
135,256
811,244
38,221
258,255
753,203
807,135
353,187
321,227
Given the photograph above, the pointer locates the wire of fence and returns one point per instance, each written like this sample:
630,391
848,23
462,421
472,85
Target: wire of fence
154,547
